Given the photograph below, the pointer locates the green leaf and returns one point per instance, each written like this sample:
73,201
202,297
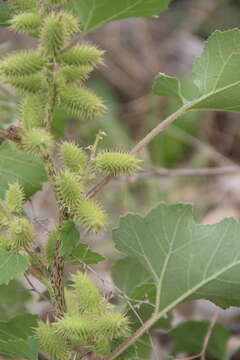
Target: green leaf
93,13
12,265
120,275
13,299
165,85
184,260
20,326
21,167
215,80
69,237
189,337
26,349
82,254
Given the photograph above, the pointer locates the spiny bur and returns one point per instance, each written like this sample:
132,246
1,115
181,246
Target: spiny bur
71,302
73,157
26,23
29,84
69,189
82,55
21,233
51,343
102,346
90,215
87,294
77,328
112,325
70,22
72,74
15,197
38,142
53,35
32,112
22,63
81,102
117,163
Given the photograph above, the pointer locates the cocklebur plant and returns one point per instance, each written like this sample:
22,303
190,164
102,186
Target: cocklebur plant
53,74
168,259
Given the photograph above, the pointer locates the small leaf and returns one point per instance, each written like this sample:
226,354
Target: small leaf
184,260
12,265
165,85
82,254
69,237
215,80
93,13
189,337
27,170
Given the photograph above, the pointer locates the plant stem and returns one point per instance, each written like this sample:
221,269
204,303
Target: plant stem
131,340
145,141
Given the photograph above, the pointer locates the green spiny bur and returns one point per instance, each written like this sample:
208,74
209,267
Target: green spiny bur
27,23
14,197
68,188
71,74
51,343
77,328
32,112
73,157
31,84
112,325
22,63
88,295
53,35
117,163
21,233
70,23
81,102
82,55
37,142
90,215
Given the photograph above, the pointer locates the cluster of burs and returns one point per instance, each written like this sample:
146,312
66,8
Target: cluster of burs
54,74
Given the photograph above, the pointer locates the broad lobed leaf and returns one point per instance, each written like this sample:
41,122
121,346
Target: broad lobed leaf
183,259
215,80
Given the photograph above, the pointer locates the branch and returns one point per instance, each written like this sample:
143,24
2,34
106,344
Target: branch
224,170
209,333
145,141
